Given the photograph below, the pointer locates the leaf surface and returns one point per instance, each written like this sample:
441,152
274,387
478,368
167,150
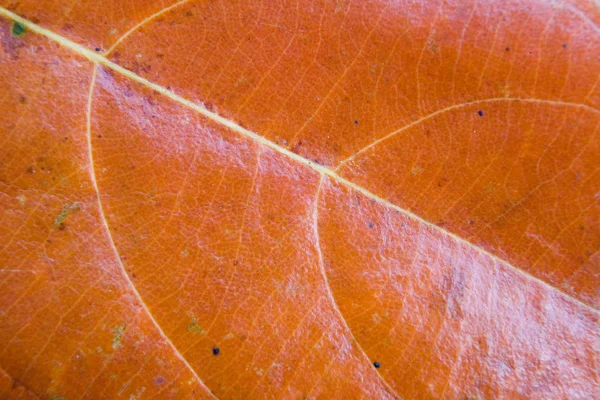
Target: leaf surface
313,188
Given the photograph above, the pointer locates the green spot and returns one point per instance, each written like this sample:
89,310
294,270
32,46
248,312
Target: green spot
18,29
67,209
113,376
118,335
194,327
56,397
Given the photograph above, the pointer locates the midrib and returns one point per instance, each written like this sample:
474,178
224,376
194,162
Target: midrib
100,59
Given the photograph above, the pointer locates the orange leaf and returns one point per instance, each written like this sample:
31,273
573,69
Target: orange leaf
314,199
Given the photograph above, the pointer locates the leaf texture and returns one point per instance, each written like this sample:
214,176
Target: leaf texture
348,199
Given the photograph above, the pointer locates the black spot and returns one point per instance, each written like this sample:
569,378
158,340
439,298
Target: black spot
480,113
216,351
371,224
62,226
356,121
507,49
97,49
18,29
564,46
376,364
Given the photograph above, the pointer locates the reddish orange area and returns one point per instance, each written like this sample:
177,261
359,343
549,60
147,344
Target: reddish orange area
299,200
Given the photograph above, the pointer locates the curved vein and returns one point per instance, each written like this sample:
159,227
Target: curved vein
336,309
99,59
459,106
142,23
111,240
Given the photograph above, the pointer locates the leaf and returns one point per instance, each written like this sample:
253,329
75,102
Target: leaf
333,199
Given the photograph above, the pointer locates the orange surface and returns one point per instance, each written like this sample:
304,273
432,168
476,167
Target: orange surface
311,187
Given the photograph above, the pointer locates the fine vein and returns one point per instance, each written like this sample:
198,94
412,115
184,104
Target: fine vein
99,59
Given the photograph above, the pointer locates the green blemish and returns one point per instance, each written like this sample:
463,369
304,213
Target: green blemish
193,327
113,376
56,397
118,335
417,170
18,29
67,209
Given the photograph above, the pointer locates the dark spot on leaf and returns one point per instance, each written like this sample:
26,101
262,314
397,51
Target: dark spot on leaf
480,113
159,380
376,364
97,49
18,29
564,46
62,226
356,121
216,351
371,225
507,49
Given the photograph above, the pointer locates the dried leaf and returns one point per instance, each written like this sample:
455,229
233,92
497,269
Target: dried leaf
314,199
